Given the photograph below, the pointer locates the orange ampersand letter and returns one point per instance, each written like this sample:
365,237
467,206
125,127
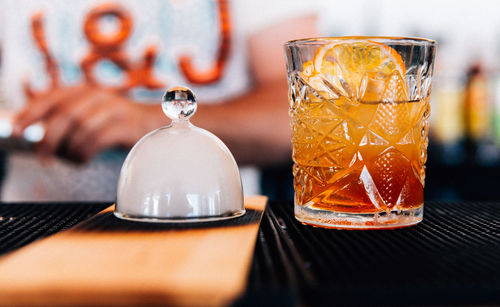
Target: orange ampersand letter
105,46
215,72
110,46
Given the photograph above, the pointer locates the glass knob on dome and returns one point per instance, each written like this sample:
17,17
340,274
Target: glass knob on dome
179,103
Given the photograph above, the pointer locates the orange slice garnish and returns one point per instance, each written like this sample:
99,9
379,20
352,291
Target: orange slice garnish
361,71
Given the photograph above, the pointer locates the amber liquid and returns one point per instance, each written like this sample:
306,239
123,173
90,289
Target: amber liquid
359,157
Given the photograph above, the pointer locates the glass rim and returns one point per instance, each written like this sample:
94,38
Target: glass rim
380,39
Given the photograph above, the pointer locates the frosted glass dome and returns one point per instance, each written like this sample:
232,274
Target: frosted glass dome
179,173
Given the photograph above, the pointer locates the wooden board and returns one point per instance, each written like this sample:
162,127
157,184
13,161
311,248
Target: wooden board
186,266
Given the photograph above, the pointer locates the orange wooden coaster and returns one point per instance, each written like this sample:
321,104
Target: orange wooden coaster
205,266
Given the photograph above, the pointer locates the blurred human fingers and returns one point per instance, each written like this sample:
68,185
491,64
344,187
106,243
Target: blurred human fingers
88,127
61,122
109,136
39,108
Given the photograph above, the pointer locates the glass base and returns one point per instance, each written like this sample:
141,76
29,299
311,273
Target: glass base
197,219
343,220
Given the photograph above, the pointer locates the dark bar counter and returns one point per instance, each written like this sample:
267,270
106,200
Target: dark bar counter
451,258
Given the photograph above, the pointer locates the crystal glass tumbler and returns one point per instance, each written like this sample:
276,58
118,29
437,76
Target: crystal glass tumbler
359,109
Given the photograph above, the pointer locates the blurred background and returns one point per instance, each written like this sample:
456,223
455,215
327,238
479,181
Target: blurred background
464,150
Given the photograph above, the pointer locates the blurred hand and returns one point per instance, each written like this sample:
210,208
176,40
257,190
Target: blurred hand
80,121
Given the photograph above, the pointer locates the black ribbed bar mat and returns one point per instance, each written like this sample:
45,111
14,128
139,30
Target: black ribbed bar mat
107,222
451,258
23,223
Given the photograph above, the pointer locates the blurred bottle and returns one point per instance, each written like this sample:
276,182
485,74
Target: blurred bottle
447,125
477,108
495,97
478,116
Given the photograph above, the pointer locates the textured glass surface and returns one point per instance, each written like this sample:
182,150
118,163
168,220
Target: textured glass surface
359,130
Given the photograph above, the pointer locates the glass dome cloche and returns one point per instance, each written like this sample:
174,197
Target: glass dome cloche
179,173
